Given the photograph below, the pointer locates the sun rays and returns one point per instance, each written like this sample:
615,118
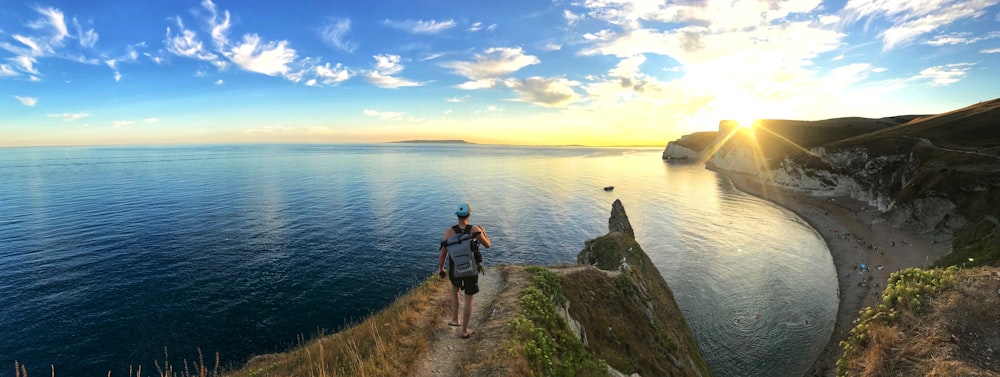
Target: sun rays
746,132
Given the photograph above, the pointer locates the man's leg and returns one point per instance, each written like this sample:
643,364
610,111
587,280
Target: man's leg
454,304
466,316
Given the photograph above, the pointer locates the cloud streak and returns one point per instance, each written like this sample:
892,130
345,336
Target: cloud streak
27,101
69,117
421,26
910,20
334,33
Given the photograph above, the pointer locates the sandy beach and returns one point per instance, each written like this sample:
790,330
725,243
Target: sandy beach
848,227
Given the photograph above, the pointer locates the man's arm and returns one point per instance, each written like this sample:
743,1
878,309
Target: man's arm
444,252
483,239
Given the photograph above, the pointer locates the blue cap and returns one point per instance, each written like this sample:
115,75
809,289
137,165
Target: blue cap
463,210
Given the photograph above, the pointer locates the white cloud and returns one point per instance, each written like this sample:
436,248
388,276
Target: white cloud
187,44
387,65
547,92
122,123
117,76
477,26
49,34
267,130
421,26
961,38
478,84
456,99
552,47
253,54
390,82
6,70
218,27
27,101
67,117
154,58
383,115
219,82
88,38
944,75
912,19
990,51
334,32
26,64
571,18
271,58
151,120
332,75
56,20
494,63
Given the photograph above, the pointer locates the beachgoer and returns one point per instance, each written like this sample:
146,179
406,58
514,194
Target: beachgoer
470,284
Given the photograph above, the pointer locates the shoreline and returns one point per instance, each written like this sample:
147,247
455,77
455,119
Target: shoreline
853,237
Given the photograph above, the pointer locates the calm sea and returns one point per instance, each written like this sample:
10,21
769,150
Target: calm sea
111,255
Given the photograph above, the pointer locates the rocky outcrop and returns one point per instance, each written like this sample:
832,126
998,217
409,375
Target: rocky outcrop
618,222
618,301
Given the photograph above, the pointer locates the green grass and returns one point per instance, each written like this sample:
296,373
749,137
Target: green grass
542,336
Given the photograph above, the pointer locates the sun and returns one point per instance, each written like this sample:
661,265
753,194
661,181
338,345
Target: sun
746,123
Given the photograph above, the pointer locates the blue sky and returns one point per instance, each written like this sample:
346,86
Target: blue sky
593,72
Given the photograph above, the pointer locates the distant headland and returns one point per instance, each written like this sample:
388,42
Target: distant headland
433,142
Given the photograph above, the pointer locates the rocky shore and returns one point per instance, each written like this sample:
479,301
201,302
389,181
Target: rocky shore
855,238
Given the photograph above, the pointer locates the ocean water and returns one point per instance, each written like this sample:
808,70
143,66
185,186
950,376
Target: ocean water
111,255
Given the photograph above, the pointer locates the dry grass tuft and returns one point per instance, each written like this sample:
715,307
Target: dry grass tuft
388,343
952,330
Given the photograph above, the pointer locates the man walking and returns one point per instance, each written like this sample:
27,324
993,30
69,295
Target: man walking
468,284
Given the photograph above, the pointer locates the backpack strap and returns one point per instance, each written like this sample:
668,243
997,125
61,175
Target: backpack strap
468,229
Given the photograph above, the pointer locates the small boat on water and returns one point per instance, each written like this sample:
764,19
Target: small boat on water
609,188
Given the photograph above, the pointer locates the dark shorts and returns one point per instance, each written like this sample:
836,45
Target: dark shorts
470,284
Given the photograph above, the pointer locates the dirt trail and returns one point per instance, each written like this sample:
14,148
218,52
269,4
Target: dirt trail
490,310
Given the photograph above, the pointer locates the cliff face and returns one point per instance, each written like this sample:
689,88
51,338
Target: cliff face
936,174
623,309
691,146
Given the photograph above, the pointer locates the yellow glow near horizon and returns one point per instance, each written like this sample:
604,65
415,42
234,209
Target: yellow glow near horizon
746,123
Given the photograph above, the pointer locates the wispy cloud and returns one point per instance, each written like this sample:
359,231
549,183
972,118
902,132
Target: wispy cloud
6,70
477,26
68,117
122,123
267,130
334,33
88,38
387,65
944,75
27,101
990,51
421,26
547,92
151,120
254,54
961,38
910,20
46,37
384,115
456,99
492,64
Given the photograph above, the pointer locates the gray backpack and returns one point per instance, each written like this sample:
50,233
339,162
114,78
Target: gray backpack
463,252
